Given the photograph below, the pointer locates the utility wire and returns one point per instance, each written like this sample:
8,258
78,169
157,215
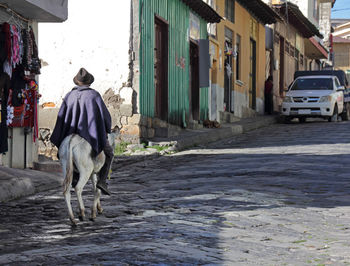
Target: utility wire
336,10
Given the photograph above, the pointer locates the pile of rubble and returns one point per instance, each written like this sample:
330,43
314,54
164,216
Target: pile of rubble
161,148
46,148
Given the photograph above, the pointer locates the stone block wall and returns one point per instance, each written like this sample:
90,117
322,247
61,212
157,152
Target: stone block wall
120,106
135,128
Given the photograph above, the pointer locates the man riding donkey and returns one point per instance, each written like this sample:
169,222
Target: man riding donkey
83,112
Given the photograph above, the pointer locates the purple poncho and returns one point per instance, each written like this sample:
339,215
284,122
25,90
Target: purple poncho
83,112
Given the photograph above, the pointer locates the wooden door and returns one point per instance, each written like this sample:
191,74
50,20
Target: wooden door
161,69
252,75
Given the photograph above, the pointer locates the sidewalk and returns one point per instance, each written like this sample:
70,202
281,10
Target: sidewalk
16,183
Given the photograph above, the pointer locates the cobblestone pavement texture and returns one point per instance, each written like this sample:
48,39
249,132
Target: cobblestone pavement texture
274,196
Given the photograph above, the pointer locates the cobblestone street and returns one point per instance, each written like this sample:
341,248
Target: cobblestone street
274,196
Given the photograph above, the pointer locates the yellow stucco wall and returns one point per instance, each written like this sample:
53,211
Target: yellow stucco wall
342,56
261,64
241,26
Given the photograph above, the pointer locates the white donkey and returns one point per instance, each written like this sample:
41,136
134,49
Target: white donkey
75,154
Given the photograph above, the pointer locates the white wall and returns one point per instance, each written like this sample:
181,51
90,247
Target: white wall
307,8
95,36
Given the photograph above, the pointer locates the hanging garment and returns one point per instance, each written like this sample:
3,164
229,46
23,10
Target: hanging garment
18,85
35,64
31,115
29,50
15,59
7,68
4,92
15,114
7,32
24,35
3,51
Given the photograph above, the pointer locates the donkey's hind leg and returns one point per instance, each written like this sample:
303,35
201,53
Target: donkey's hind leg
83,178
67,197
96,206
66,193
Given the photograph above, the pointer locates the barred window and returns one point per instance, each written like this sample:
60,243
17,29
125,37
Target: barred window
291,50
230,10
287,47
277,37
238,57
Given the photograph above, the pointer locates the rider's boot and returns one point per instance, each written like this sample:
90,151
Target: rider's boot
102,185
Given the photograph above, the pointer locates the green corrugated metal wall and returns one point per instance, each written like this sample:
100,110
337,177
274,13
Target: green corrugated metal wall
204,92
177,15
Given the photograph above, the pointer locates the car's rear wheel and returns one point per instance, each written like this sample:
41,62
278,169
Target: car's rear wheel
287,119
302,119
334,117
346,113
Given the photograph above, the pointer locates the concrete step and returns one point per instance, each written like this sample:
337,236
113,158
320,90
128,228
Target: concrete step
227,117
47,166
169,131
195,125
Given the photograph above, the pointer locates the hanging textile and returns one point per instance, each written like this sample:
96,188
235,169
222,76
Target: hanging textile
32,63
22,103
20,63
4,91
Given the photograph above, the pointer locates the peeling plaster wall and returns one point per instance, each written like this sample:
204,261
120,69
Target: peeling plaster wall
95,36
325,20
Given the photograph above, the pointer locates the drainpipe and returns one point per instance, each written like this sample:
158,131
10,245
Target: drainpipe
26,130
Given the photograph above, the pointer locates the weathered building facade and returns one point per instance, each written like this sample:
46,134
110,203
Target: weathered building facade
172,63
295,46
341,47
237,49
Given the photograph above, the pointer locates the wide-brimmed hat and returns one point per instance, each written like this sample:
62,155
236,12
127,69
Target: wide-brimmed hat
83,77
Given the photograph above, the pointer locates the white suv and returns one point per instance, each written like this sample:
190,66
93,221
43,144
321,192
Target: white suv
314,96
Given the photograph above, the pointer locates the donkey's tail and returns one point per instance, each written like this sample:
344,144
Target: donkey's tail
69,167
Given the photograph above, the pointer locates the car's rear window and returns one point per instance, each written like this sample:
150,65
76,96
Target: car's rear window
313,84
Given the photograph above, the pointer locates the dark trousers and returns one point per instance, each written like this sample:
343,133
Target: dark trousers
268,103
109,153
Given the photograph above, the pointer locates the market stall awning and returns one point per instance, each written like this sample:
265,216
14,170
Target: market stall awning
295,17
203,10
39,10
261,11
315,50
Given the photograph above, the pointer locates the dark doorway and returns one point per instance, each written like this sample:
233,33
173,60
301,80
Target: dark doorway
228,81
252,75
194,80
296,56
281,65
161,69
228,69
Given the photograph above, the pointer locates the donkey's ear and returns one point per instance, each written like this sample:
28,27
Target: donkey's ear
116,130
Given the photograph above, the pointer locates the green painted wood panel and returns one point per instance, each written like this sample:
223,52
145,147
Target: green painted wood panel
176,13
204,92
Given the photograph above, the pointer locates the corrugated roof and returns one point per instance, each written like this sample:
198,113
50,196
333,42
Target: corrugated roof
261,11
338,39
315,50
298,20
203,10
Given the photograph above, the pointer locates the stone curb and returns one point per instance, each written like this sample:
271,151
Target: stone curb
226,131
17,183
